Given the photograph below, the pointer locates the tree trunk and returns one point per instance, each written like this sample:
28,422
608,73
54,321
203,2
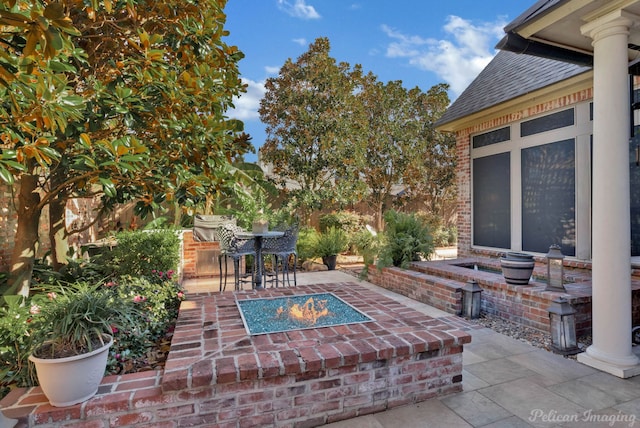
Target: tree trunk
57,233
26,240
379,215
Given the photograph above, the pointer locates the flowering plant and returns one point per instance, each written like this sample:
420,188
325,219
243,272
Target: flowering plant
73,319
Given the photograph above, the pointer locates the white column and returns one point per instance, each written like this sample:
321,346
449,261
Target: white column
611,349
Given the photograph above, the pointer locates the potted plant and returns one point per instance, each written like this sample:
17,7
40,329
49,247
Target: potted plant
72,333
329,244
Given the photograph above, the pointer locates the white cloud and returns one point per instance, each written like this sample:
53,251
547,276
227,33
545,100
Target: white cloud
247,104
459,58
299,9
301,41
272,69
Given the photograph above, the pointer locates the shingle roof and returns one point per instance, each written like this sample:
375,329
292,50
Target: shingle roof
539,8
508,76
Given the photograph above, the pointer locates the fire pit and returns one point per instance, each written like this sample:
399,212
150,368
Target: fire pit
383,355
278,314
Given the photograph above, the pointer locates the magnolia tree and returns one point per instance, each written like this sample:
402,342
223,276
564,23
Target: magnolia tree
344,137
117,99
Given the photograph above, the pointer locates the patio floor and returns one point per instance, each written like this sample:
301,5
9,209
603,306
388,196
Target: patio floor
506,383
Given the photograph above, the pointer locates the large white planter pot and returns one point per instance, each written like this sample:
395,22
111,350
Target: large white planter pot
72,380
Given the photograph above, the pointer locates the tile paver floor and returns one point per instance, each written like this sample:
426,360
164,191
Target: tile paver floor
507,383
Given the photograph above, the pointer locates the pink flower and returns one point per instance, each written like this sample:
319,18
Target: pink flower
114,329
52,295
139,299
180,294
35,309
110,284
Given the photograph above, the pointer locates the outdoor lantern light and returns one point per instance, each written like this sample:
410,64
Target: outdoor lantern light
471,299
563,327
555,269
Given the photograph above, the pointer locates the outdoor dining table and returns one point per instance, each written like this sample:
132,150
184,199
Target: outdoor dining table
258,246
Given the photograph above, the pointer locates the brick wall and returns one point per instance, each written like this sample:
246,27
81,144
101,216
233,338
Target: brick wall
463,150
190,249
438,292
440,283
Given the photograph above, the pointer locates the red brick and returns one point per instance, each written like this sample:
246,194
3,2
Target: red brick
290,362
350,355
312,362
226,370
112,403
329,355
45,413
248,367
130,419
150,397
254,397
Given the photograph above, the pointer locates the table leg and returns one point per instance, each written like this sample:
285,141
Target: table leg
258,261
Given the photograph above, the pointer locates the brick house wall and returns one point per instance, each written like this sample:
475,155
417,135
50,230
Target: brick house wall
463,150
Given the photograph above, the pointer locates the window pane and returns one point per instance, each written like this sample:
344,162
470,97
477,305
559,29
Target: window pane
493,137
492,201
547,123
548,197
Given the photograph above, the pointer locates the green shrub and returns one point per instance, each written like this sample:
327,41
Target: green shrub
158,299
138,253
367,245
350,222
331,242
15,344
406,239
305,245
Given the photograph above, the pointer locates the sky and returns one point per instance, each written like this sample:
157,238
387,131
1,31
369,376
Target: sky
419,42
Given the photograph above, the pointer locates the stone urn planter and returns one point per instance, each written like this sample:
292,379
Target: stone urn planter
71,380
330,261
517,268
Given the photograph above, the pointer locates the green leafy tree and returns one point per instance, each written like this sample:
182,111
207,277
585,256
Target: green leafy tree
431,179
397,147
306,110
122,100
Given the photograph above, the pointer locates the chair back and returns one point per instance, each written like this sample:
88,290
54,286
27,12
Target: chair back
230,243
283,244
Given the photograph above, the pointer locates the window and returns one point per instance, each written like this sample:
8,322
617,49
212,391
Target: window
492,137
492,201
547,123
548,197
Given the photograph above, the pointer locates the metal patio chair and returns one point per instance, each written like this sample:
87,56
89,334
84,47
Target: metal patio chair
282,249
235,248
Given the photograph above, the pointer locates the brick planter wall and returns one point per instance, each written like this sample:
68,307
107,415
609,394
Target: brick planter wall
441,293
439,283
